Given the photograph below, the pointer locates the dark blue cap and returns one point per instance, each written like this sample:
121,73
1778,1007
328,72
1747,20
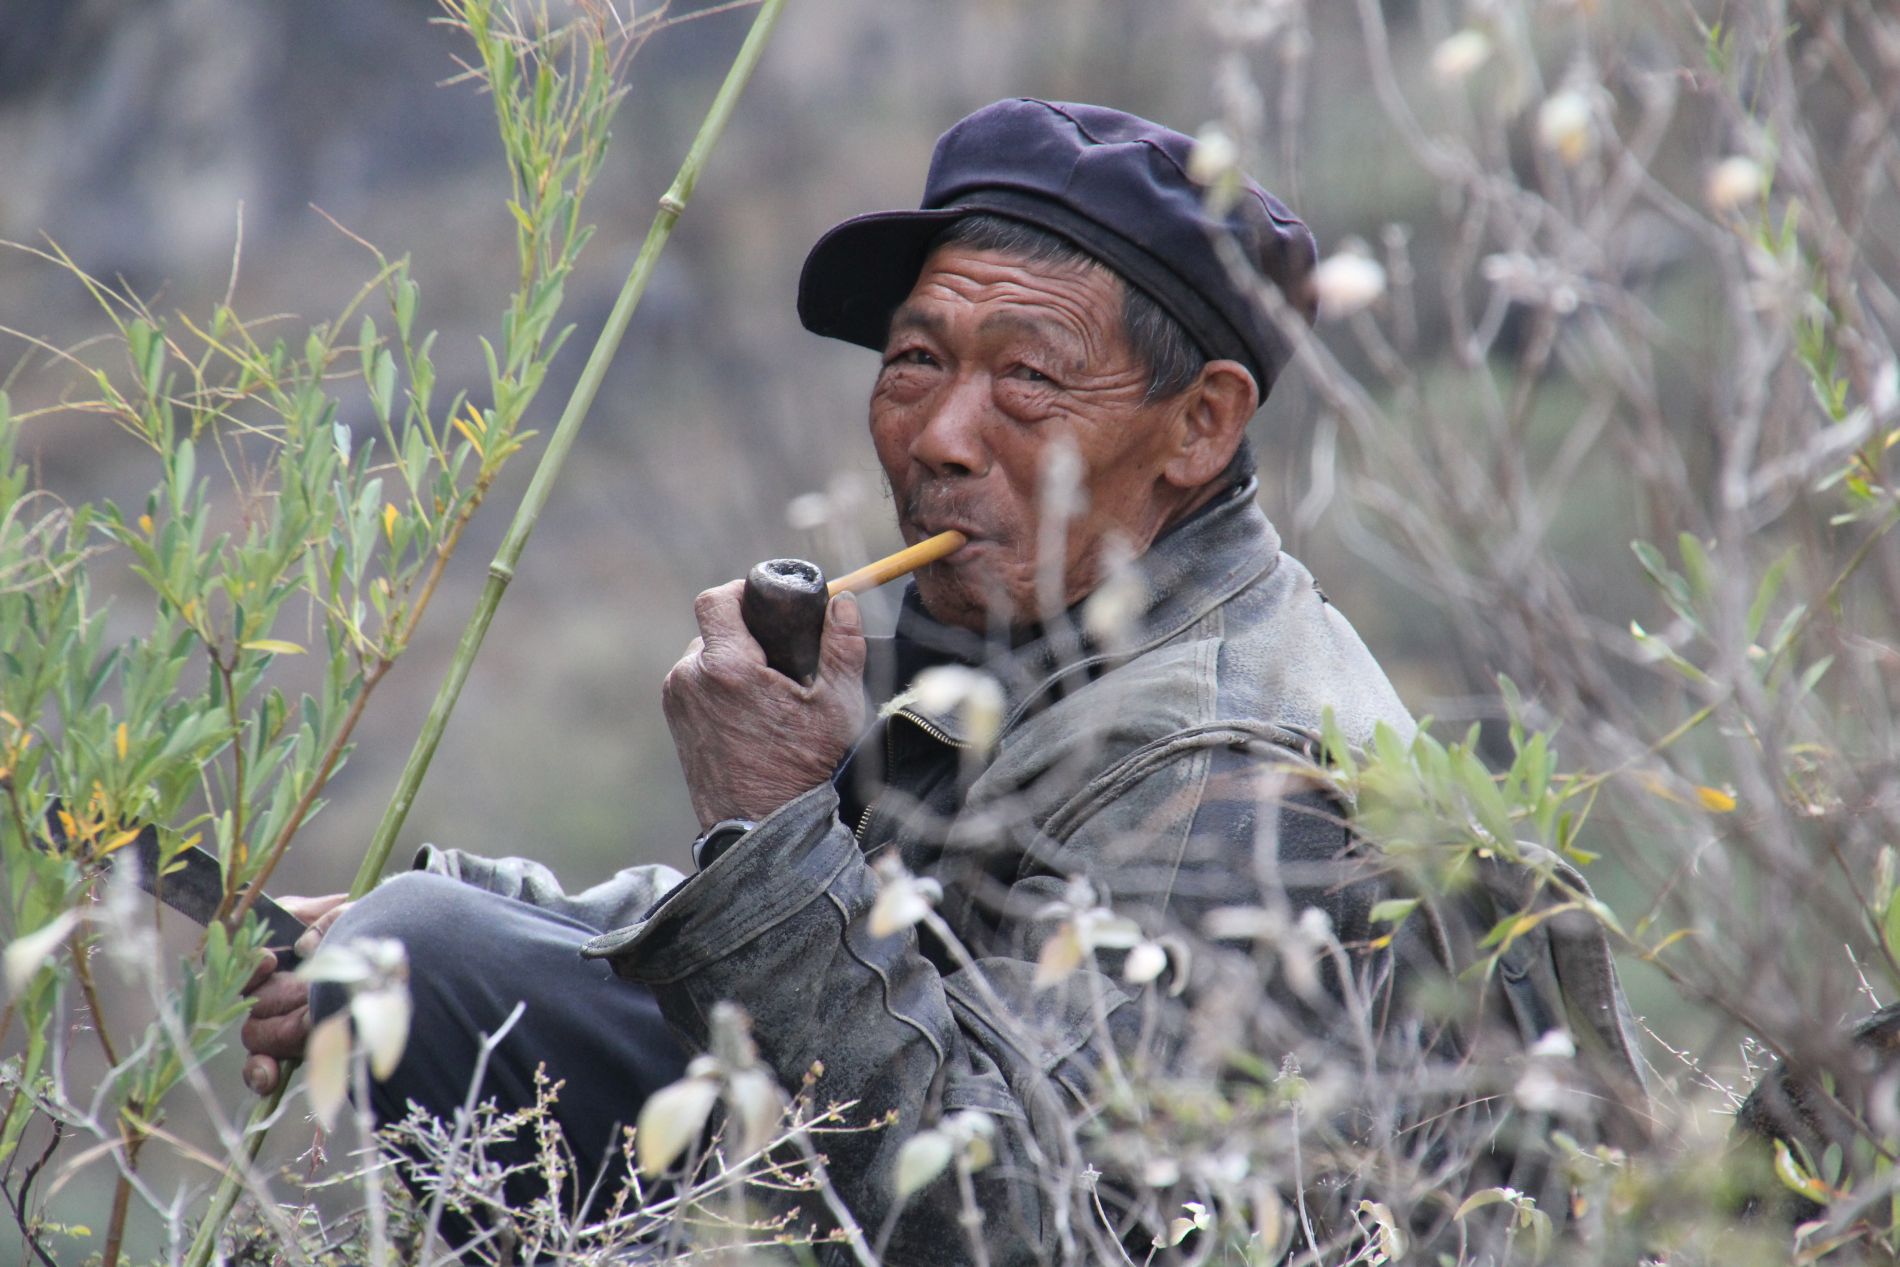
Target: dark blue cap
1115,185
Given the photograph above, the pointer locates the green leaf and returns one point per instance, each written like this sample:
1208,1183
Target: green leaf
1795,1177
184,471
1785,630
382,384
366,342
1695,563
1542,1230
405,305
1334,746
1765,593
1392,910
1890,924
1832,1159
276,646
1387,747
1478,1200
422,378
1487,803
923,1157
138,341
152,368
1675,589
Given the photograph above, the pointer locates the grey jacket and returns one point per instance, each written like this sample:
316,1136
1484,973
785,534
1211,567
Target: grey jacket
1142,770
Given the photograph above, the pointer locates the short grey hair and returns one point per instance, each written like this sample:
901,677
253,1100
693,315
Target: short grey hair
1171,356
1163,346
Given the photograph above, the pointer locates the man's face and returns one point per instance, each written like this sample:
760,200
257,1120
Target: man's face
993,365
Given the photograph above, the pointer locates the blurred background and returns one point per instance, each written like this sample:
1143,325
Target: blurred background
1573,340
135,135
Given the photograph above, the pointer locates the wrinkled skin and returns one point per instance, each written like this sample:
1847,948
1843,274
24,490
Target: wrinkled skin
279,1024
991,367
749,738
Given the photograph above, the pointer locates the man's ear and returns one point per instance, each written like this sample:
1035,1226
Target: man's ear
1214,417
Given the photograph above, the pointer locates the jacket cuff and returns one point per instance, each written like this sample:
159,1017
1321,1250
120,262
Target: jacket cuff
781,866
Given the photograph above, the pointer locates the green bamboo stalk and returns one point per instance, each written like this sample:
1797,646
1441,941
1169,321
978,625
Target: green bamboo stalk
502,570
225,1198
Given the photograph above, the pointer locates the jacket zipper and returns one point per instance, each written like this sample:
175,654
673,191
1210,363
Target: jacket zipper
890,758
929,729
864,820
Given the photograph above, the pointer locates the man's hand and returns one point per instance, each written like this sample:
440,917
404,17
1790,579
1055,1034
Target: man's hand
749,738
279,1024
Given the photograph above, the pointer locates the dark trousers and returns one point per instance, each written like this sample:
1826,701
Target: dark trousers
472,957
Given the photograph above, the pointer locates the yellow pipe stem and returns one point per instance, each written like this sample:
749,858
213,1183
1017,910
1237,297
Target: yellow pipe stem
903,563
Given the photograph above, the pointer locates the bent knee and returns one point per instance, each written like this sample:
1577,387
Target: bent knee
428,914
436,919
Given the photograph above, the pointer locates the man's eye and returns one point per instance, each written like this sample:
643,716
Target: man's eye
911,356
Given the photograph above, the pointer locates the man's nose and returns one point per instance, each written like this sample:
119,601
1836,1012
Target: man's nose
951,442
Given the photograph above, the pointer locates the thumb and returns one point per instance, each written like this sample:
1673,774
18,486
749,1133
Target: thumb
722,628
841,654
260,1074
320,928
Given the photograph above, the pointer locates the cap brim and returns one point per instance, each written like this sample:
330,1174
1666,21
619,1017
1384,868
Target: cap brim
859,272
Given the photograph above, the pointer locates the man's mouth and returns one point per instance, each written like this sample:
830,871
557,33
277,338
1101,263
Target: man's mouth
927,520
932,528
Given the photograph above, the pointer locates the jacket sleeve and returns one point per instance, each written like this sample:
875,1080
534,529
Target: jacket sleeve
780,925
610,904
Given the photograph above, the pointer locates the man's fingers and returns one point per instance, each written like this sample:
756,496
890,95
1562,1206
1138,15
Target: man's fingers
280,1037
320,928
261,1074
841,655
265,970
279,994
324,921
310,909
721,628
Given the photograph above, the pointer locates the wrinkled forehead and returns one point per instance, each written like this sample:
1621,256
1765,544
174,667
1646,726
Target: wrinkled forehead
1067,299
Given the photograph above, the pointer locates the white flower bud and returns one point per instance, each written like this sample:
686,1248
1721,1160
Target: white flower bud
1566,126
671,1119
1161,1172
1556,1044
1061,955
1455,58
1884,397
921,1159
382,1022
1539,1092
1347,283
904,900
1733,182
974,698
1102,929
1214,156
327,1055
1144,963
756,1108
807,511
25,956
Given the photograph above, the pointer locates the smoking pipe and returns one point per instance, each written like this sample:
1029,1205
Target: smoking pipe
785,599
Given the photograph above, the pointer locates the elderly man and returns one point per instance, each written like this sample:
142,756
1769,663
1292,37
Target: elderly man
1072,345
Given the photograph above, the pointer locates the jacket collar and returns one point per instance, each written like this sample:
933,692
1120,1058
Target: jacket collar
1190,570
